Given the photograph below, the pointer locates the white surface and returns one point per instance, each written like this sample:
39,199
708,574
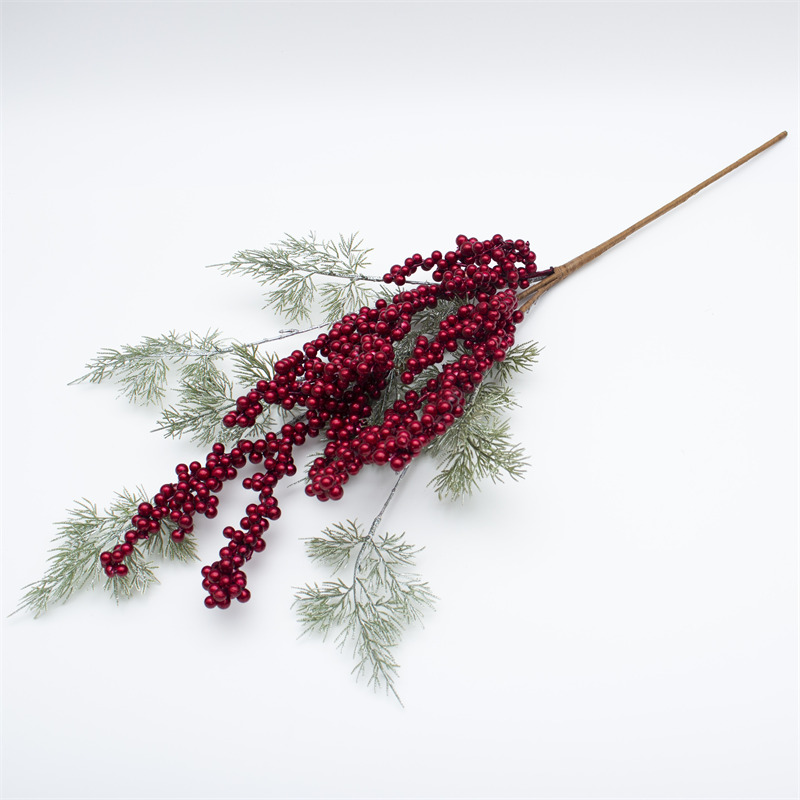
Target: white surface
624,624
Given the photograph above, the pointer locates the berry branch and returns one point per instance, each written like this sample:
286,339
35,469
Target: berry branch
421,370
333,379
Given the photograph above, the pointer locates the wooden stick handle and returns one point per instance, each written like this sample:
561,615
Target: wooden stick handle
530,296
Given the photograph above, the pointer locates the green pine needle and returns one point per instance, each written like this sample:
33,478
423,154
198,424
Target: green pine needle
478,446
74,562
370,612
519,358
200,409
141,371
250,366
297,269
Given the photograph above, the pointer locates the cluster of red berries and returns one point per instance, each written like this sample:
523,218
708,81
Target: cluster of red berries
334,378
486,330
194,492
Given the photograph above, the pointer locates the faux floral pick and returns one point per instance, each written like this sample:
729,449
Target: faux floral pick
402,367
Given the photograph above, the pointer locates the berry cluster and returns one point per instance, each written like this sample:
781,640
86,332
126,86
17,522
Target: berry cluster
194,492
486,330
334,379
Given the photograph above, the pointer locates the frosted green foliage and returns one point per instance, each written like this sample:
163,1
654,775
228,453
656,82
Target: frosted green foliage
141,370
368,611
199,411
204,400
205,391
251,366
519,358
74,562
478,446
298,270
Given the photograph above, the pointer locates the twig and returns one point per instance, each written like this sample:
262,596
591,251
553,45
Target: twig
325,274
377,521
531,295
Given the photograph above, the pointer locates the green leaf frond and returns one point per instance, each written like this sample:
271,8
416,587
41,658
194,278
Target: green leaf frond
141,370
369,613
200,361
205,390
296,268
335,546
74,562
162,545
199,411
202,405
251,366
347,296
478,445
519,358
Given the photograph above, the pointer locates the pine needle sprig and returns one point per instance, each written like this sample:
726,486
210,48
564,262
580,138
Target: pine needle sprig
74,562
166,548
370,612
335,546
487,452
206,392
339,299
295,269
300,254
141,370
141,575
199,362
519,358
200,409
202,403
379,405
251,366
478,446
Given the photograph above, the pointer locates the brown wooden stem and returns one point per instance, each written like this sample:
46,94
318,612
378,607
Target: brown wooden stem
528,297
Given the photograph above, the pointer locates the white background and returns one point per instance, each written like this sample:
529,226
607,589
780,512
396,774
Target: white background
624,623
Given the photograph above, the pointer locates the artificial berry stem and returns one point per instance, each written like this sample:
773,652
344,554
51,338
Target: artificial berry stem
530,296
334,379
